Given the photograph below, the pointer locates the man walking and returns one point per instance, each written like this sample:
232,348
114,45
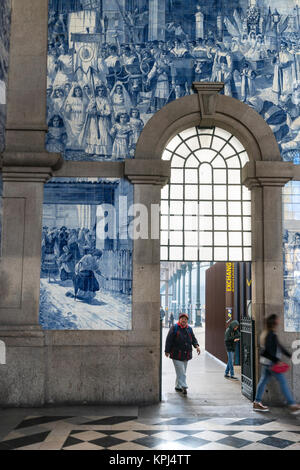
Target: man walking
178,347
232,336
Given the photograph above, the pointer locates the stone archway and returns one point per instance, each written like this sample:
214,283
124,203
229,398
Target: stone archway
264,175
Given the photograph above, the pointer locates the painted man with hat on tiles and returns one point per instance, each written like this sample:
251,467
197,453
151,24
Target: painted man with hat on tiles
178,347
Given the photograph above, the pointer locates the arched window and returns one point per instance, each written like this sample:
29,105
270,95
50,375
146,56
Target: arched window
205,210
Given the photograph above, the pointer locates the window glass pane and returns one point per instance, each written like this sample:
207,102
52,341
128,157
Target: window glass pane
228,151
237,144
247,254
234,193
166,155
164,238
234,176
235,238
205,208
247,239
176,253
205,254
191,208
176,238
193,143
176,207
220,192
191,192
220,223
205,174
176,192
244,158
204,131
165,192
191,223
205,238
174,143
220,254
220,208
191,176
176,222
187,133
246,194
234,208
164,254
205,223
247,223
177,162
235,254
247,208
191,238
222,133
164,207
191,254
234,223
177,176
205,141
218,162
164,222
220,177
183,150
205,155
205,192
233,162
218,143
220,238
192,162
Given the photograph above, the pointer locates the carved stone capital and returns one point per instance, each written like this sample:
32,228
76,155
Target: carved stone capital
267,173
150,172
32,159
207,93
26,175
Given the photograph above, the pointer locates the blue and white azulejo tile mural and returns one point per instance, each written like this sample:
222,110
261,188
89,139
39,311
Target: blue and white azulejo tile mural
291,256
86,264
4,51
113,63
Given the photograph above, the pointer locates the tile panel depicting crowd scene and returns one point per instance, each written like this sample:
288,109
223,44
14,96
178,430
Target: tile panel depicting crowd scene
4,52
86,263
113,63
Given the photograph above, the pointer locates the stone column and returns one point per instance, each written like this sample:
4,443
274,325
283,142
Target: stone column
148,178
198,321
266,180
179,291
199,25
157,20
220,22
190,312
183,270
174,294
167,300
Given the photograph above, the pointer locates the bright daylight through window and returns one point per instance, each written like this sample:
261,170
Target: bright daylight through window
205,210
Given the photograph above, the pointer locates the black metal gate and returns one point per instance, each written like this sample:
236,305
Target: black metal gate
248,357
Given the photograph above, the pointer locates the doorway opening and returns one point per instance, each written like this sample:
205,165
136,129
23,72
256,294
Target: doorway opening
206,247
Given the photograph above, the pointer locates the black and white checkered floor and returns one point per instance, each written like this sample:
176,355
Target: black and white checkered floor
131,433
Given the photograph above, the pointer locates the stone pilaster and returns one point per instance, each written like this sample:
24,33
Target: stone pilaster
266,180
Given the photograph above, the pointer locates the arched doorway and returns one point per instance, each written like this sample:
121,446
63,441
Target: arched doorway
265,175
206,230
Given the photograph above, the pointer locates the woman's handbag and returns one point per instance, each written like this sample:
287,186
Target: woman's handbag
280,368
